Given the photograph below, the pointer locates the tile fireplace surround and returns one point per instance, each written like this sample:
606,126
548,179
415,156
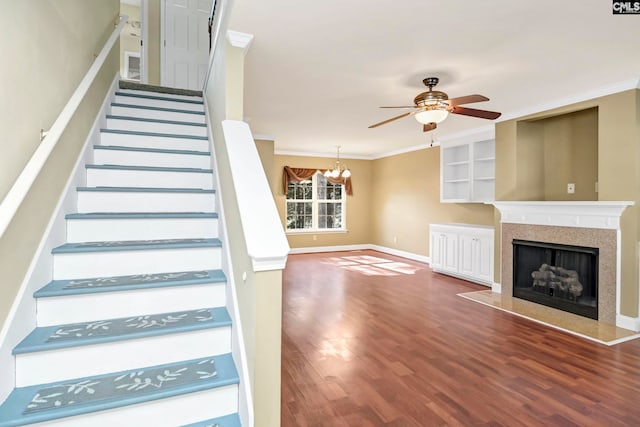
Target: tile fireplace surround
591,224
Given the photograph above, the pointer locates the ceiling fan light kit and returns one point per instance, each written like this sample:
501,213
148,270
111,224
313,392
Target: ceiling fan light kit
432,107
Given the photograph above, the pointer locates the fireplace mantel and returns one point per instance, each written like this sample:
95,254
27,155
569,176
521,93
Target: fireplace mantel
563,213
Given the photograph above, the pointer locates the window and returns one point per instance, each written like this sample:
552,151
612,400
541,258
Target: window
315,204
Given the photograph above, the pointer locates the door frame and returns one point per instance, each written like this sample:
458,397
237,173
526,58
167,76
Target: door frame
144,41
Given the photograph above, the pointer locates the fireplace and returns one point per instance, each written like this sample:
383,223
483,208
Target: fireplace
561,276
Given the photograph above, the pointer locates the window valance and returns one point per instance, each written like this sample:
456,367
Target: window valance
300,174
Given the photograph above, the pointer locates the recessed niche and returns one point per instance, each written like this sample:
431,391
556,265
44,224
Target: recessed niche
555,151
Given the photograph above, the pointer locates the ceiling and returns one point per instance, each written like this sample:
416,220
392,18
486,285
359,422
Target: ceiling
317,71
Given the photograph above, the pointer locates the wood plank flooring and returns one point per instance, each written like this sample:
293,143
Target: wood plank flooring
370,339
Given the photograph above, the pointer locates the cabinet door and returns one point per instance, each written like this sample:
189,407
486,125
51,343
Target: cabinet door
436,249
450,251
468,257
484,258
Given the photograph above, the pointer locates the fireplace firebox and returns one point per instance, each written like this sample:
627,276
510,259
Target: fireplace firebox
559,276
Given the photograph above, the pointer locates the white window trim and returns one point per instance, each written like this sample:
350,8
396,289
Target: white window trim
314,212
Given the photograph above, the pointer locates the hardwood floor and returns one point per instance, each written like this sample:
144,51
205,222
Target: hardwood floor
369,339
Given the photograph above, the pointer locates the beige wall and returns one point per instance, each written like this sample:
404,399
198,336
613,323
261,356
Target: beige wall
235,82
618,168
46,47
394,201
266,152
406,199
358,220
128,42
552,152
153,35
48,59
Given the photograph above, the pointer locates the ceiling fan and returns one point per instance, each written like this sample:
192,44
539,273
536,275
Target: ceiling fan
433,106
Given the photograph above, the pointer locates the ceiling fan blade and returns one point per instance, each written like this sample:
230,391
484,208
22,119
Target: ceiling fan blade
467,100
483,114
392,119
402,106
429,126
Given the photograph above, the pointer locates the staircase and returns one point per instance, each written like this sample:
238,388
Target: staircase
133,328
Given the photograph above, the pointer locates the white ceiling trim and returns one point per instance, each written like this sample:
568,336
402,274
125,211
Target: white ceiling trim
327,155
585,96
240,40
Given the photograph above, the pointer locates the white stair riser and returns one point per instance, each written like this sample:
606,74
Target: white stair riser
149,179
139,302
123,263
164,95
149,158
157,114
101,201
149,141
177,105
171,412
99,230
155,127
76,362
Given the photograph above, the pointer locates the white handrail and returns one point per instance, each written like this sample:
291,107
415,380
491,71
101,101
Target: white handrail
22,185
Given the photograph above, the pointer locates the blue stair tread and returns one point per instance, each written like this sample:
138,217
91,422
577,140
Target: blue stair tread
164,121
58,288
160,98
153,134
149,168
141,215
135,245
26,405
145,189
232,420
151,150
170,110
110,330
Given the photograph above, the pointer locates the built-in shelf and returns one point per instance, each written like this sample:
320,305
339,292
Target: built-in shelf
467,171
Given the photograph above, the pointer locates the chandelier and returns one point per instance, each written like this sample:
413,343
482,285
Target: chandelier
338,170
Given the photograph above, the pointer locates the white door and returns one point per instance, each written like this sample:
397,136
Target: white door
186,43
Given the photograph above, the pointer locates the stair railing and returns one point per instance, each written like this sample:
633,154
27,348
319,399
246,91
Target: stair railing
22,185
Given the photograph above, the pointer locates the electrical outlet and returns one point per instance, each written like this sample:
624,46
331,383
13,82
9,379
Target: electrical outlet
315,237
395,239
571,188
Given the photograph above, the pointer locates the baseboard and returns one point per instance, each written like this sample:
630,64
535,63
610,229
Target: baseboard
496,287
626,322
316,249
342,248
403,254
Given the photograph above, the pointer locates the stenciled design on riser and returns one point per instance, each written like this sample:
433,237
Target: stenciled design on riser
135,279
121,385
130,325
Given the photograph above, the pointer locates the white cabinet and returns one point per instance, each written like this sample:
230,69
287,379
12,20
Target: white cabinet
467,171
444,252
463,250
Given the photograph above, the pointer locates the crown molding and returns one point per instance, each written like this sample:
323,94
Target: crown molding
240,40
326,155
574,99
264,137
